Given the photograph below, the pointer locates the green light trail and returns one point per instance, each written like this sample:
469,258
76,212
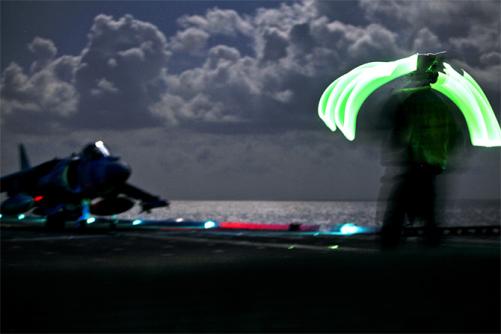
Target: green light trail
341,101
470,99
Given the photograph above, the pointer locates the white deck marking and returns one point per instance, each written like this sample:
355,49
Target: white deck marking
287,246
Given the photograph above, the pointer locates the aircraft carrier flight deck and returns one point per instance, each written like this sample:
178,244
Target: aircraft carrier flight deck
205,280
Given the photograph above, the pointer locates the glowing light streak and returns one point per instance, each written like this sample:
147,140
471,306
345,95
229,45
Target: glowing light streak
1,216
333,247
467,95
179,220
21,216
38,198
137,222
341,101
90,220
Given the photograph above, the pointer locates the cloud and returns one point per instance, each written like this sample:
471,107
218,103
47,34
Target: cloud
450,18
131,56
374,41
295,54
29,101
466,29
104,87
491,59
217,22
190,40
238,118
44,50
112,83
261,71
425,41
274,45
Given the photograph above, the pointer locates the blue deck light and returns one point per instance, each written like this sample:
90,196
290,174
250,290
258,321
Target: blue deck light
209,224
349,228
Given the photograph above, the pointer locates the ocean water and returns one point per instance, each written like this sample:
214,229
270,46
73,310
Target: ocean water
460,213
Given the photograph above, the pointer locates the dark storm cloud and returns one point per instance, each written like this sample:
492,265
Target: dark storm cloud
120,72
39,101
110,84
446,18
298,48
296,52
256,78
468,30
44,51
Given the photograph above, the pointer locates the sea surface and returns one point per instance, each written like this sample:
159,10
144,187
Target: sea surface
459,213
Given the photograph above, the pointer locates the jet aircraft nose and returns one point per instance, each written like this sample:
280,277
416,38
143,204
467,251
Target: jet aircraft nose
117,172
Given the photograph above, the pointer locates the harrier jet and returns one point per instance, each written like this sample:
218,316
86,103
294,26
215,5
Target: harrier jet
92,182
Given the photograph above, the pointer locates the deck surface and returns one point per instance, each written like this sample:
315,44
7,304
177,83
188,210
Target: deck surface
154,280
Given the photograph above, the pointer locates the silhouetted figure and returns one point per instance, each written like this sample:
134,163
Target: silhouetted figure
423,135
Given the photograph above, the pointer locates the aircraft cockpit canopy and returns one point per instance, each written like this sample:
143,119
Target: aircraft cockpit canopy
95,151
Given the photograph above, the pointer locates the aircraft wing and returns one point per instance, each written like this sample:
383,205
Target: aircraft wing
25,181
148,201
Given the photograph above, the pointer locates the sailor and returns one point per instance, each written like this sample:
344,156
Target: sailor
423,136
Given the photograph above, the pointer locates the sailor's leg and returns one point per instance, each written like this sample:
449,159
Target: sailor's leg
432,234
394,215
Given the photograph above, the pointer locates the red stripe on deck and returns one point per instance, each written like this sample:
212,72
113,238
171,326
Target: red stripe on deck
253,226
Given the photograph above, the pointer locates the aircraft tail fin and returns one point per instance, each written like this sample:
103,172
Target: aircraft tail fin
23,158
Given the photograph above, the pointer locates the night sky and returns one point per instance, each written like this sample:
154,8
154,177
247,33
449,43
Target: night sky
218,100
